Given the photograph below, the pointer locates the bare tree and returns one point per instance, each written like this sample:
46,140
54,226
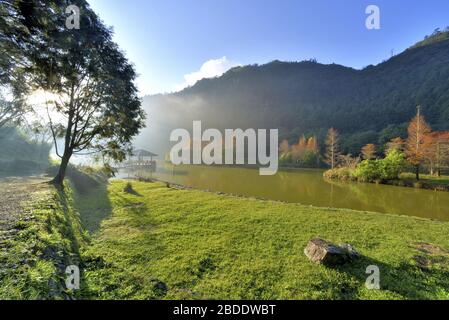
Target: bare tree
349,161
332,148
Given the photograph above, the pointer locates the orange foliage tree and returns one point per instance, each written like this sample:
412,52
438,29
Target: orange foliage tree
437,150
312,145
395,144
298,150
369,152
418,144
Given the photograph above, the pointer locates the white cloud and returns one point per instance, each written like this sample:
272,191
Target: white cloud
210,69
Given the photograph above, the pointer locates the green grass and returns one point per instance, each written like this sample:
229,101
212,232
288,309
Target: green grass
426,178
154,242
32,263
163,243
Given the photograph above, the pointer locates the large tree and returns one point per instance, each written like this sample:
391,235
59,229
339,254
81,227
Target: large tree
94,105
13,63
417,145
437,150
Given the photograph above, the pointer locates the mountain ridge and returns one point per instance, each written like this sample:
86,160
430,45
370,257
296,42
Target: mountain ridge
308,97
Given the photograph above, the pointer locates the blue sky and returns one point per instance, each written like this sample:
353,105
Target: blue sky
169,41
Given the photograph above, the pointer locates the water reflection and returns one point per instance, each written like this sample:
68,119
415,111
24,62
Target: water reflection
308,187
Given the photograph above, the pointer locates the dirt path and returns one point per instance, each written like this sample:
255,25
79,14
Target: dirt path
14,193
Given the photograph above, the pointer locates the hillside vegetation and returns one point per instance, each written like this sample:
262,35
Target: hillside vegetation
369,105
20,154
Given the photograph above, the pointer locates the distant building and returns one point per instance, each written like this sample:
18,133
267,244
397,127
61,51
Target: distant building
142,155
138,160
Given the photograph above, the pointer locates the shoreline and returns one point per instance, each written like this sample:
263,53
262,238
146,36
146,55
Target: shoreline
177,186
425,184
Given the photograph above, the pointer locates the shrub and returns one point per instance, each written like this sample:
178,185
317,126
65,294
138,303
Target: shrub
343,173
286,158
368,171
128,188
381,170
392,165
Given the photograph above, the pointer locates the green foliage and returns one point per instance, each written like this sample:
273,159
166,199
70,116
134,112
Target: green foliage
368,171
353,143
311,159
437,36
20,154
86,69
393,164
391,132
379,170
286,158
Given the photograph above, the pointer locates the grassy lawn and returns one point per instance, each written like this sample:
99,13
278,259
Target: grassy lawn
166,243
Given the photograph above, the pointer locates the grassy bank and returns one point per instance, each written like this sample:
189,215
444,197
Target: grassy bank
155,242
47,236
165,243
425,181
404,179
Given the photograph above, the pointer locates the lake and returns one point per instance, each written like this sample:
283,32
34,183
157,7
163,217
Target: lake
307,186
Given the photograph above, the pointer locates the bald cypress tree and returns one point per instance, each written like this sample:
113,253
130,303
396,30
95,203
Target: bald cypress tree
332,148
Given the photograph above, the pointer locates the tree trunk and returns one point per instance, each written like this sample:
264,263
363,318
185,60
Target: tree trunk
417,172
59,179
68,148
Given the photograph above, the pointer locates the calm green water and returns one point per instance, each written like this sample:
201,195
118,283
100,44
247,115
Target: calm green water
308,187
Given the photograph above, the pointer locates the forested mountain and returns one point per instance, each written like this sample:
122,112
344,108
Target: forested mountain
369,105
